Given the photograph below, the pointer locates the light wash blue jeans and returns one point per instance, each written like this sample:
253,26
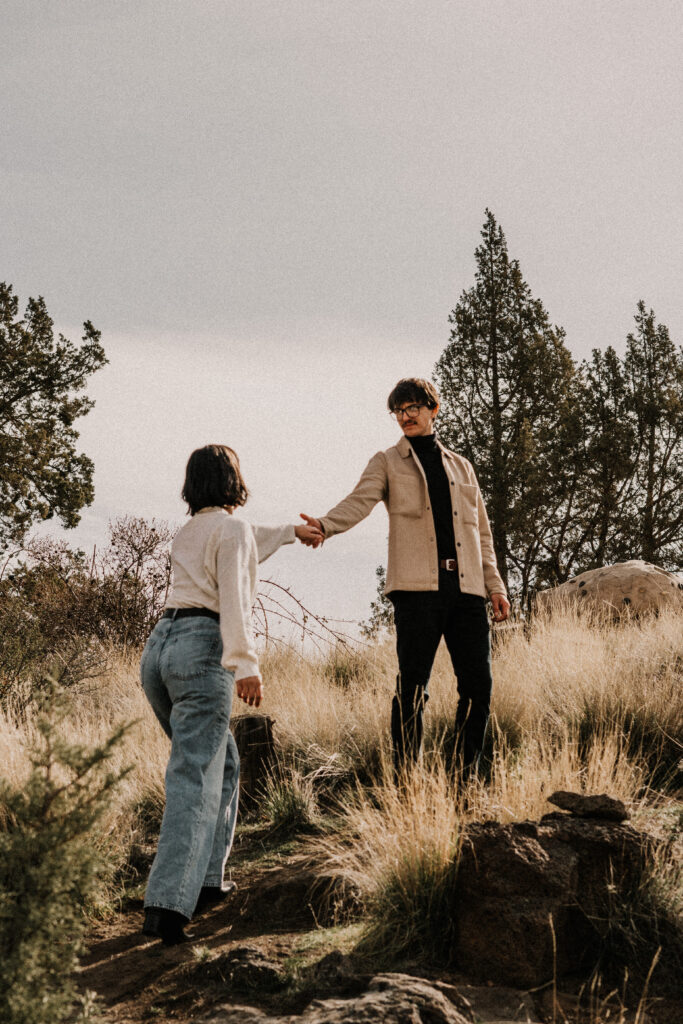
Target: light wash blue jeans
191,695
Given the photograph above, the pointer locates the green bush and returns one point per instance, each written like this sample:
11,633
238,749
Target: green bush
48,868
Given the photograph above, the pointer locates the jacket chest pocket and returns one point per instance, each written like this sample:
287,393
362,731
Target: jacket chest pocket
468,497
405,495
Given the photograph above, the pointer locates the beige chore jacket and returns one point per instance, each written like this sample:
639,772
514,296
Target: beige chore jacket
396,477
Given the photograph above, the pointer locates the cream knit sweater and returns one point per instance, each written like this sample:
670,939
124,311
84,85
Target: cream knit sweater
214,559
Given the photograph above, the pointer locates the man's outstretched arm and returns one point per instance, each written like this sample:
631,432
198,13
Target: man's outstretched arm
371,488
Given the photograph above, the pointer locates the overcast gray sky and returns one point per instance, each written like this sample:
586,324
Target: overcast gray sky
270,208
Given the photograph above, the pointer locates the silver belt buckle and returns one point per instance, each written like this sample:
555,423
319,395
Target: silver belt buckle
451,564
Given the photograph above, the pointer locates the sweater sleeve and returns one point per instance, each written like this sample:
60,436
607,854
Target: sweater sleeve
236,561
371,488
270,538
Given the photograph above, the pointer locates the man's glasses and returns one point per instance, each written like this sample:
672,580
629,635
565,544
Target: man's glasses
408,410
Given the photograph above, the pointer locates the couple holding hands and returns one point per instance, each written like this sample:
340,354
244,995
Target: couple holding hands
441,569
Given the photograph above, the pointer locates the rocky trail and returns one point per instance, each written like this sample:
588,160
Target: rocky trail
271,953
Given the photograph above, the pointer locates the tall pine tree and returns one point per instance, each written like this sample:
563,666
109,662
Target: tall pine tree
507,384
654,379
608,479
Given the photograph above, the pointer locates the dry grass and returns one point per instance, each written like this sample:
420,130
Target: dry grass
594,707
394,857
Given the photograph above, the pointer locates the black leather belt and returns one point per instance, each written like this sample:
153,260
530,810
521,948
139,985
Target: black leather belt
184,613
449,563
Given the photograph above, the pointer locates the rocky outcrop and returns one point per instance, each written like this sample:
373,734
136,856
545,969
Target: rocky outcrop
388,999
599,806
634,587
531,897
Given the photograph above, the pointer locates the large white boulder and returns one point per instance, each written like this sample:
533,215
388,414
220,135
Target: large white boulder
634,587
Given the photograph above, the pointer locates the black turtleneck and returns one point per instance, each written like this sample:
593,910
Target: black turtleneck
429,454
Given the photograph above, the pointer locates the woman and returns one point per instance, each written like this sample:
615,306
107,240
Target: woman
199,650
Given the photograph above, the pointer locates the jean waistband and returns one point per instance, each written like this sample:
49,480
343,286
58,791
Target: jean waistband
183,613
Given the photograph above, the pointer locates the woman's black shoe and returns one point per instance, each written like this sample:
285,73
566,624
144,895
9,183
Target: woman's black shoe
209,895
166,925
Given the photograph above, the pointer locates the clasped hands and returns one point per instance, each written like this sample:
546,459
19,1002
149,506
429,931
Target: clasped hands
311,534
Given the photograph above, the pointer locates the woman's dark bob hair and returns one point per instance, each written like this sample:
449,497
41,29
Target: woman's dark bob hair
413,389
213,477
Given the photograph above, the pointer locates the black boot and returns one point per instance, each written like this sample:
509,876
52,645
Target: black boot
166,925
209,895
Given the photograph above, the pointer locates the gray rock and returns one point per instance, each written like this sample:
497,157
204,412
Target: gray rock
337,971
601,806
632,587
237,1015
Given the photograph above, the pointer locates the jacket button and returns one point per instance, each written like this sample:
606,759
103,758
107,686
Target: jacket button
459,544
462,573
455,513
433,572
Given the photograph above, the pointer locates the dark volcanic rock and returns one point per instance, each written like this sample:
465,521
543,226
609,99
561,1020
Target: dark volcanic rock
389,999
601,806
524,888
248,968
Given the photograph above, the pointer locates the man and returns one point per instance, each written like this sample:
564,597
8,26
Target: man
440,570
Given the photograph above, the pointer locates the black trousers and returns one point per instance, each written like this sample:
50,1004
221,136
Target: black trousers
422,618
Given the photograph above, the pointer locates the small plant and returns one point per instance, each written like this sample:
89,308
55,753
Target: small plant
289,802
202,954
48,868
381,619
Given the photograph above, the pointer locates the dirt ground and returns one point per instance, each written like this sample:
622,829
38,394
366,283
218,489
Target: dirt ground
137,980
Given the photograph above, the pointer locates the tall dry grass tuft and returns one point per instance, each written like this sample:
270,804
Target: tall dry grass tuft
395,859
395,854
596,677
332,711
521,779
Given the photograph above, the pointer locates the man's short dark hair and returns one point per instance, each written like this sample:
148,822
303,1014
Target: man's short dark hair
213,477
413,389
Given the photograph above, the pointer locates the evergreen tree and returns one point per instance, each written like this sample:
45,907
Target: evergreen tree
41,474
654,373
508,390
48,866
608,477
